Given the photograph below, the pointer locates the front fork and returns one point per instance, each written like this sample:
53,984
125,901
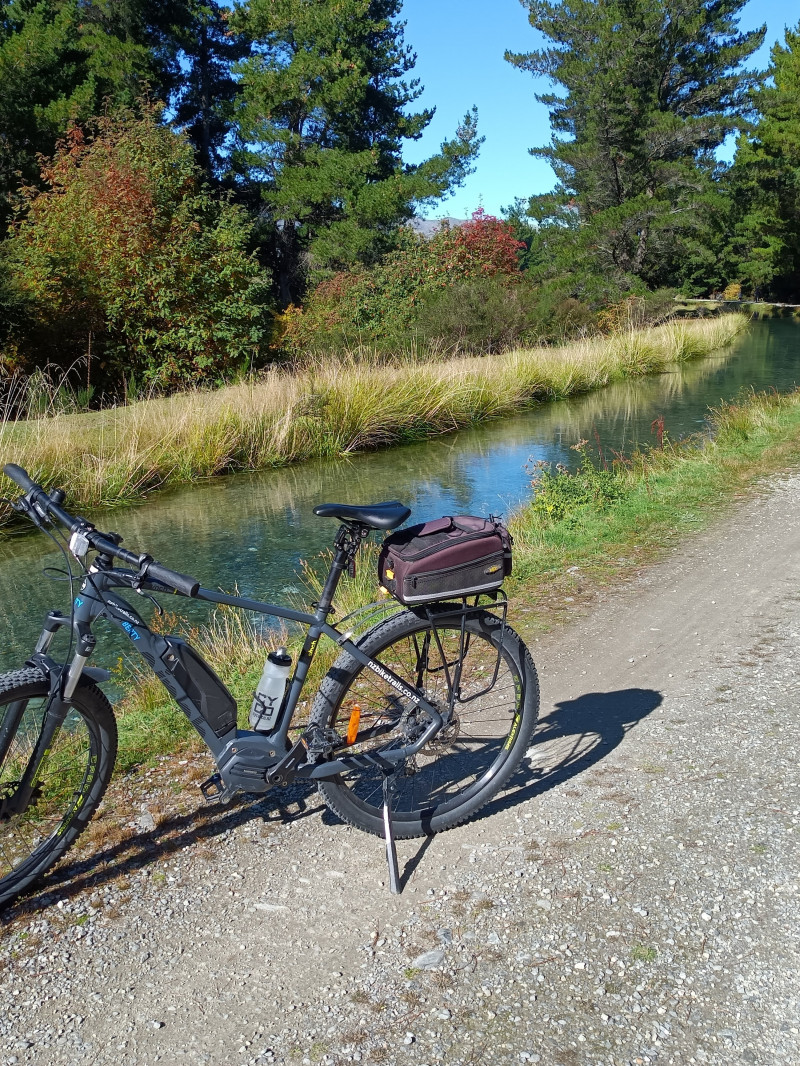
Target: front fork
63,683
85,646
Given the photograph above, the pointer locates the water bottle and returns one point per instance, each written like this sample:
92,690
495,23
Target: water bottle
270,690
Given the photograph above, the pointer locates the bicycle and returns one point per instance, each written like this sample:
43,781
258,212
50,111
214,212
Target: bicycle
421,720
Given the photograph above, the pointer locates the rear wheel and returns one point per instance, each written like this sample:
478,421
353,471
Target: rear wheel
482,741
70,783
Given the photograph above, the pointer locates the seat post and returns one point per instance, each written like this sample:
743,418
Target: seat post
345,542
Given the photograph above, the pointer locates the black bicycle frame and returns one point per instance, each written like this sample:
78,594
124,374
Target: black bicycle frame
243,757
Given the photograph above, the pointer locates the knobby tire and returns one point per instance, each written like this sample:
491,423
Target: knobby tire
71,781
457,773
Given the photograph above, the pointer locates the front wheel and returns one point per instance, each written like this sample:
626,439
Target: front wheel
70,783
484,737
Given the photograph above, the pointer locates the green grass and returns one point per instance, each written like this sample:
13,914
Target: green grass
121,454
646,506
751,308
642,953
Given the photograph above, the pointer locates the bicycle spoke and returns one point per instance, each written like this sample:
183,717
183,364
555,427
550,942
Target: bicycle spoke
435,776
58,787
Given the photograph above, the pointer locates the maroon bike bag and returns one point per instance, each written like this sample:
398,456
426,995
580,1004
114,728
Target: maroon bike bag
458,556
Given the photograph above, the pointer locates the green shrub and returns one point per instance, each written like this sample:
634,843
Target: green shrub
125,255
561,496
638,311
658,306
485,315
380,307
556,316
495,314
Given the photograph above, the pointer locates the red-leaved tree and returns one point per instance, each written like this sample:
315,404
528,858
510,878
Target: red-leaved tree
126,254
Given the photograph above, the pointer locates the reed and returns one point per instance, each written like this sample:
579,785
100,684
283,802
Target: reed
326,409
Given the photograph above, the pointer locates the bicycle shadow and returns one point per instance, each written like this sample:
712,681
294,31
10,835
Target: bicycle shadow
139,849
573,737
576,735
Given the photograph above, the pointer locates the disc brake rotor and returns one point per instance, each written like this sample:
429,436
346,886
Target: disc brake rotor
445,738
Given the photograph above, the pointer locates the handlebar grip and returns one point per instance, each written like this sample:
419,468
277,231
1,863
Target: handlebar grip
19,477
187,586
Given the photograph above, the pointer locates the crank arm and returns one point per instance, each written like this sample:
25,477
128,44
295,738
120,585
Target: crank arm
285,771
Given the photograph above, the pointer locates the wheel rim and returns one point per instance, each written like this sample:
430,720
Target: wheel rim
449,771
62,784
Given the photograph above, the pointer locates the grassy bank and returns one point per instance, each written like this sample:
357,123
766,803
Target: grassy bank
117,455
602,521
581,530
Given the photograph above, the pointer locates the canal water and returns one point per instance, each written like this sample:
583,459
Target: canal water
252,530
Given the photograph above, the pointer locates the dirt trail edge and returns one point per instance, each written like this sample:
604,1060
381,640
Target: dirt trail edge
632,898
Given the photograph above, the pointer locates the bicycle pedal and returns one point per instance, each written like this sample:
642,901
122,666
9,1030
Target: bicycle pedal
215,792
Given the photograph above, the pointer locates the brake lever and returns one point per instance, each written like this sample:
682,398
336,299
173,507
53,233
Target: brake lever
153,600
22,505
144,562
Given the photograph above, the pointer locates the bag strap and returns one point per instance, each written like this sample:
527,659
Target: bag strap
466,523
502,530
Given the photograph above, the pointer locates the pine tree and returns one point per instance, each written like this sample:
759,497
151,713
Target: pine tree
651,89
39,56
205,101
765,183
321,127
133,44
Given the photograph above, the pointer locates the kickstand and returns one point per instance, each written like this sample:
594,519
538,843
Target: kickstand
391,850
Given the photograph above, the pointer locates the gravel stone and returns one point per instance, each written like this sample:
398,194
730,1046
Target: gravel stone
431,960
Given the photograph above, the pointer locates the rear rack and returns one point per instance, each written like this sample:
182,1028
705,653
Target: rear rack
498,601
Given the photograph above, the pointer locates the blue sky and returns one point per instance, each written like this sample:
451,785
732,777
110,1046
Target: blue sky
460,46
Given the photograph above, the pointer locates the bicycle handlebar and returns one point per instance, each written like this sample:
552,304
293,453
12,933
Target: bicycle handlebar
148,569
182,583
20,476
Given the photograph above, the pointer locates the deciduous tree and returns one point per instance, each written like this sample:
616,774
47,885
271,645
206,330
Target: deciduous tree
126,251
63,61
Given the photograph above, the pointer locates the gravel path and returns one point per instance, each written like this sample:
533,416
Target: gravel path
631,899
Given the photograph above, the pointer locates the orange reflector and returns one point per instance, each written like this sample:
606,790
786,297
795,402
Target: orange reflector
352,725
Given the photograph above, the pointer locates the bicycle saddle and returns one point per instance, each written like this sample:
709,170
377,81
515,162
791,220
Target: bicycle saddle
387,515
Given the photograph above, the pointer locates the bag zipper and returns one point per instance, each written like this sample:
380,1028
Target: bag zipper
437,548
460,566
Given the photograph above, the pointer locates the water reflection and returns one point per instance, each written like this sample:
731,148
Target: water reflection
252,530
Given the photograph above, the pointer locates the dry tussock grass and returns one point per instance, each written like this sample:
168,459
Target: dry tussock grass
326,409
